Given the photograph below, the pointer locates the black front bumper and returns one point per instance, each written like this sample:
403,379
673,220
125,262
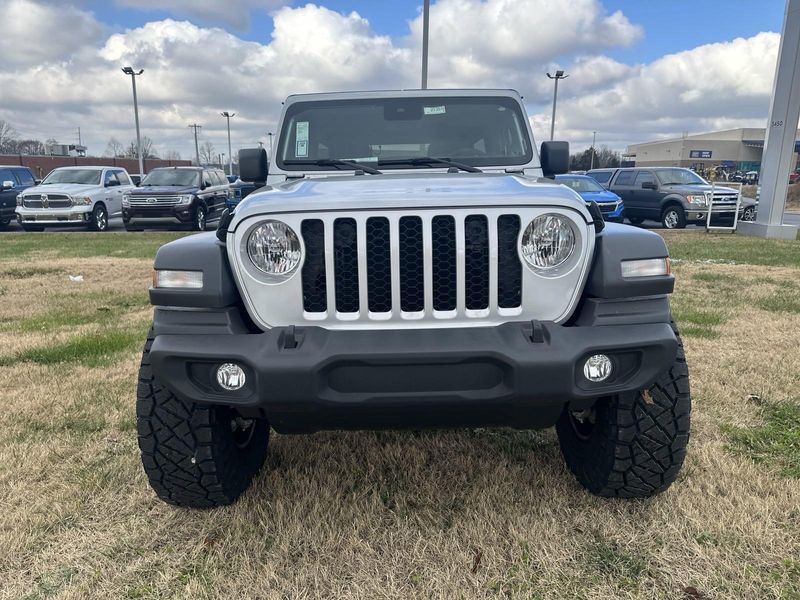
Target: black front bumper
168,217
310,378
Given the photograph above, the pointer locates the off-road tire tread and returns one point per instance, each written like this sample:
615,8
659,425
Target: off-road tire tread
639,444
173,432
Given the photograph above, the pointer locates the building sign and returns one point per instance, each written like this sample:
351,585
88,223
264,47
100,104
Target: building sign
699,153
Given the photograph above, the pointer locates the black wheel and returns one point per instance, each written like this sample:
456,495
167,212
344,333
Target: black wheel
636,220
4,223
749,214
199,223
631,445
673,217
99,220
194,455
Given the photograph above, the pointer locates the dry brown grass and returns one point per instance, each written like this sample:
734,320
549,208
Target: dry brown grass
468,514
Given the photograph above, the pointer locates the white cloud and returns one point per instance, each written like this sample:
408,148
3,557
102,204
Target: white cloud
34,33
229,12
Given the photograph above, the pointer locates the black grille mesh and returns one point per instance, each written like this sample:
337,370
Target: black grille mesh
443,242
315,295
345,264
379,265
476,262
509,268
412,270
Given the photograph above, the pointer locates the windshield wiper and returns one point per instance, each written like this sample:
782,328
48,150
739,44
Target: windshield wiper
335,162
430,161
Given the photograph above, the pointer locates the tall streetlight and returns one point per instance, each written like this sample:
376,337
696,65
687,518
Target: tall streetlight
591,160
426,11
228,116
133,74
556,77
269,133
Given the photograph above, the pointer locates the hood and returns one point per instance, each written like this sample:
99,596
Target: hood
604,196
409,191
698,189
63,188
152,190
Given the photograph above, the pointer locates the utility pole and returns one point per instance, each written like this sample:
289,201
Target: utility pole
426,13
591,160
556,77
195,126
228,116
133,74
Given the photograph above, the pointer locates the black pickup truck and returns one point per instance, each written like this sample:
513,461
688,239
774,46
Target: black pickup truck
177,198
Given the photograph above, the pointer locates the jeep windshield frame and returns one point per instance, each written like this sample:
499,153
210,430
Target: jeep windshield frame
403,132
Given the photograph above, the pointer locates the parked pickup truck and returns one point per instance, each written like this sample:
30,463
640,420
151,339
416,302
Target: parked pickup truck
13,181
86,196
176,198
411,263
675,196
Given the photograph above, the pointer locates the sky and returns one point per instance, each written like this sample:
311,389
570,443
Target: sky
638,69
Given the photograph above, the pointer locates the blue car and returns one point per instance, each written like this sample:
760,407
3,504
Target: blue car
610,204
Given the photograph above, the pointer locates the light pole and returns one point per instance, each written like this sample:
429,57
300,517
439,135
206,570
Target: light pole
269,133
426,11
228,116
591,160
195,126
133,74
556,77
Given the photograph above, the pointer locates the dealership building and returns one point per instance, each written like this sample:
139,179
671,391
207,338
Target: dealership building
736,149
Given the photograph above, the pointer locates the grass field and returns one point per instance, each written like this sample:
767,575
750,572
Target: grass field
446,515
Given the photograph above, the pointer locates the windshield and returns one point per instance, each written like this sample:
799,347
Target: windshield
174,177
679,177
84,176
581,184
476,131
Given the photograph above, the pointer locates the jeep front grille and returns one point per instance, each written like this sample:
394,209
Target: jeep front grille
423,267
442,238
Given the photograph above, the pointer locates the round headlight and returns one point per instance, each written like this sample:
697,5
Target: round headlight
548,242
274,248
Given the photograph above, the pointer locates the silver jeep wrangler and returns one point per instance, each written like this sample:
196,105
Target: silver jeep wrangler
409,262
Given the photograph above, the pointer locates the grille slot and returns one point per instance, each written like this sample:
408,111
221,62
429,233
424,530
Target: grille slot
53,201
509,267
476,262
379,265
345,260
389,266
315,291
412,267
445,282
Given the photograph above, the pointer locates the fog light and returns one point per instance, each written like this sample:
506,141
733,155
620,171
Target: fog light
230,377
597,368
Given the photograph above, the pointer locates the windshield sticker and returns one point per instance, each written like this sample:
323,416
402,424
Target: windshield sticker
301,131
301,151
433,110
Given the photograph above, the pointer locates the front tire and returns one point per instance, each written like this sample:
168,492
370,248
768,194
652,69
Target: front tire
99,220
199,223
749,214
673,217
194,455
631,445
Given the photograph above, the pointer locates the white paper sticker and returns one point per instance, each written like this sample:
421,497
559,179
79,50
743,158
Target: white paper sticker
301,131
433,110
301,150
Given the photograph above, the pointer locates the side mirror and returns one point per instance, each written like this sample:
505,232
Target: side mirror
555,158
112,183
37,181
253,165
649,185
8,185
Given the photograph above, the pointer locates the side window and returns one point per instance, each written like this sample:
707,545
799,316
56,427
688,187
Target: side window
625,178
644,176
207,181
218,179
6,175
24,177
601,176
109,178
123,178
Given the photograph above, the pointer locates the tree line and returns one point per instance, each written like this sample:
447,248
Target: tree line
604,157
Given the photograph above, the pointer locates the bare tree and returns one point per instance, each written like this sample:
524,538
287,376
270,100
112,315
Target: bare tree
30,147
8,135
208,154
115,148
172,155
148,150
50,145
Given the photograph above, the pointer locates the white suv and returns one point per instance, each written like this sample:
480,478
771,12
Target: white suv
74,196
